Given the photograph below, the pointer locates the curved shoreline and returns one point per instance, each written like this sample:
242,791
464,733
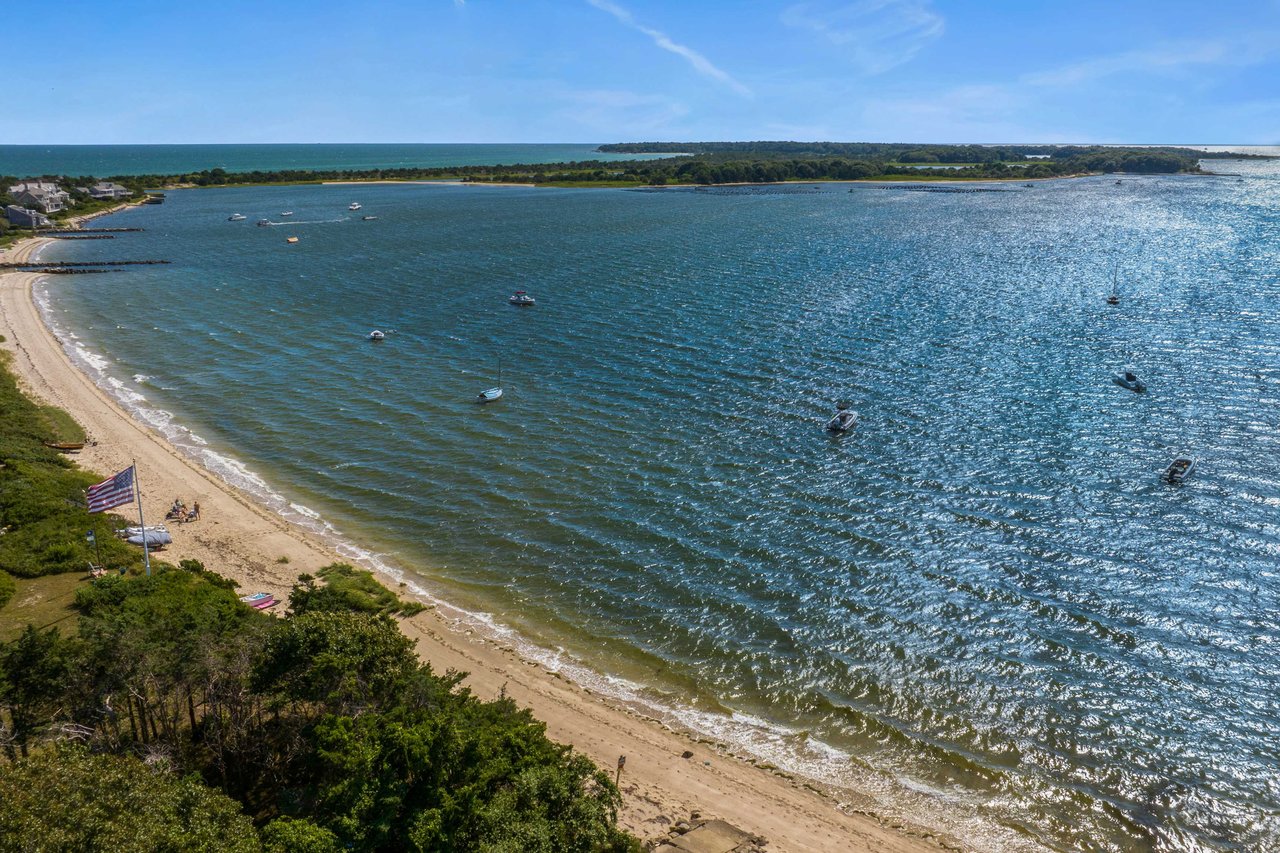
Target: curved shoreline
243,540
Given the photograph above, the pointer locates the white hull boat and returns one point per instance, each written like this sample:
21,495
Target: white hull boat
844,420
1179,470
521,298
377,335
1130,380
237,217
489,396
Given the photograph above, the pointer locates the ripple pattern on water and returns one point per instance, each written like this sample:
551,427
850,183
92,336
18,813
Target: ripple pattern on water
984,593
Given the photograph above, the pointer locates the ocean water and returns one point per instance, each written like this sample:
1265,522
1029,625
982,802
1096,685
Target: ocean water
116,160
983,607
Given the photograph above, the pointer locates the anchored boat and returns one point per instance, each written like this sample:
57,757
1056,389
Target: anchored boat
844,419
521,298
1130,380
1179,469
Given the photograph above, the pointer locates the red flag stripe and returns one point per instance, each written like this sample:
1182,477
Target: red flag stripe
113,492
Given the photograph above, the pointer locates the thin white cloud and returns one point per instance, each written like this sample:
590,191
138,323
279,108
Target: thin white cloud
877,34
619,112
1174,56
699,62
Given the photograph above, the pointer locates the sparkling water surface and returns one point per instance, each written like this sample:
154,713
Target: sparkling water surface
982,606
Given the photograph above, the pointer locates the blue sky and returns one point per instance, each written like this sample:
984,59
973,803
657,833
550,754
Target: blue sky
619,70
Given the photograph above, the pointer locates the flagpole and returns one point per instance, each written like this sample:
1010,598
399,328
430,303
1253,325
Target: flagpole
137,488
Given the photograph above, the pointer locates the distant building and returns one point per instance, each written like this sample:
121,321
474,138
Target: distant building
106,189
46,196
24,218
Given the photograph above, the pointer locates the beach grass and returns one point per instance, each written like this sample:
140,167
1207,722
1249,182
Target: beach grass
58,425
44,601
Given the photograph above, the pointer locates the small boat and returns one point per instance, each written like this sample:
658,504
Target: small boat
65,446
377,335
521,298
1130,380
355,205
260,600
150,529
1114,298
1179,470
286,213
155,537
844,419
264,222
368,218
291,239
237,217
488,396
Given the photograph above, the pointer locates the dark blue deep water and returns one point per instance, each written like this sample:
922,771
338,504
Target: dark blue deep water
983,607
114,160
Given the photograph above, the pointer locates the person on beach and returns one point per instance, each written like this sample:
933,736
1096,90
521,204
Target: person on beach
195,511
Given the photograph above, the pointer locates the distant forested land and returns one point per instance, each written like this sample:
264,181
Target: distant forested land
901,152
745,162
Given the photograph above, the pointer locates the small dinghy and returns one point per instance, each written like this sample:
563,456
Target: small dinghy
286,213
377,335
489,396
154,537
844,419
291,239
368,218
65,446
1179,470
1130,380
260,600
521,298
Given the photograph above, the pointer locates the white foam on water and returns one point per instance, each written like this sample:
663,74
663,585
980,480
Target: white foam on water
790,750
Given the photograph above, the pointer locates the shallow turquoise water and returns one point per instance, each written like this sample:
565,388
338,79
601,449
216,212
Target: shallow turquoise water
983,605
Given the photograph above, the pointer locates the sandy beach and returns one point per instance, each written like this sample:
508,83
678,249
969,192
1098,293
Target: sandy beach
242,540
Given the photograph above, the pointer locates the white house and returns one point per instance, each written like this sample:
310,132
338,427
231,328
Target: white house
46,196
107,189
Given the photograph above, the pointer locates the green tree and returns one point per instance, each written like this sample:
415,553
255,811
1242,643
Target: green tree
69,800
34,671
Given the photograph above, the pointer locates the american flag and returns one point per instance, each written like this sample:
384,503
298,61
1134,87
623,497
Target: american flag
111,493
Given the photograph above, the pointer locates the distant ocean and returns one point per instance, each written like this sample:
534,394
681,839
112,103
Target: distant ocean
982,606
120,160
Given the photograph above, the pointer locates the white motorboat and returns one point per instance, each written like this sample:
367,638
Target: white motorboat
237,217
286,213
521,298
377,335
260,600
126,532
489,396
1130,380
368,218
355,205
1179,470
844,419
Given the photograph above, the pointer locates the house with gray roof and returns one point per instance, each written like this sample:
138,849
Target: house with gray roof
46,196
24,218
